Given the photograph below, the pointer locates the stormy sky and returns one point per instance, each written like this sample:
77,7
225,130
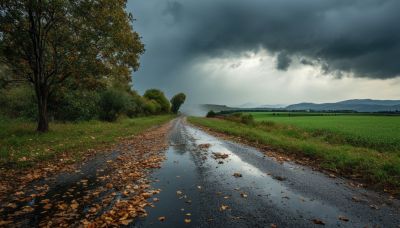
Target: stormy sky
269,51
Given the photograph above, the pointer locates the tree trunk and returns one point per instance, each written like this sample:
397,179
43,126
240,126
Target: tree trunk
43,121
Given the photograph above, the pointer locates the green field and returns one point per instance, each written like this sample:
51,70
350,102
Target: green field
22,146
379,132
364,146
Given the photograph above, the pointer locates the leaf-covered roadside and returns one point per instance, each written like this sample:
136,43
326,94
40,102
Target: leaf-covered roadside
114,196
22,147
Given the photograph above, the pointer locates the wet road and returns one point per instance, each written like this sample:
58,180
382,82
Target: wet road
198,190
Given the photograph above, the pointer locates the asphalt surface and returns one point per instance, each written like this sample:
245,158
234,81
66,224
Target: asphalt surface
203,190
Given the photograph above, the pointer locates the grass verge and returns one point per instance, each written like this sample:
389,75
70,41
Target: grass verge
21,146
377,168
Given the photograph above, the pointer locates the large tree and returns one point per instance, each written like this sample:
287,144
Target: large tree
51,43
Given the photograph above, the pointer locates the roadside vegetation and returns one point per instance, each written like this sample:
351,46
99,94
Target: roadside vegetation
67,66
23,147
357,147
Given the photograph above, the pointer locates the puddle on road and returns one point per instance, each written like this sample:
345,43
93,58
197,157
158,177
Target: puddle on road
178,173
256,184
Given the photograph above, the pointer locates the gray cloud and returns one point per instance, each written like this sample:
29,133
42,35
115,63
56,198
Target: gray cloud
357,36
283,61
336,37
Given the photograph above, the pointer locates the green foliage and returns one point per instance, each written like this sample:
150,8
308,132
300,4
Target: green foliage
211,114
371,164
112,103
241,118
18,102
177,101
158,97
77,106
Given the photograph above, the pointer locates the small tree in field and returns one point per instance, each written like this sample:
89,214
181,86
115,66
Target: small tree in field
177,101
49,43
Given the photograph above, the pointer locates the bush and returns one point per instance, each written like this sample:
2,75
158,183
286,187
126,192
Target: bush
159,97
77,106
239,117
247,119
18,102
211,114
112,103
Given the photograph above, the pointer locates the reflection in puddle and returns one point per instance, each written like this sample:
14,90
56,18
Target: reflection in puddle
259,183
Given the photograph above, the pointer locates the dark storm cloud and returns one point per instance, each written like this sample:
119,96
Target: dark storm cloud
283,61
357,36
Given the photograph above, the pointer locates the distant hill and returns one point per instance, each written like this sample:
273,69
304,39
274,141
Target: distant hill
359,105
216,107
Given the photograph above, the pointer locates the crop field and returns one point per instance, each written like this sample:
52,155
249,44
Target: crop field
379,132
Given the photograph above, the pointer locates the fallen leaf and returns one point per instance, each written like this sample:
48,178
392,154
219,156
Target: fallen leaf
12,205
2,222
47,206
343,218
126,222
188,220
179,193
373,206
188,214
224,207
237,175
161,219
244,195
273,225
318,222
109,185
74,204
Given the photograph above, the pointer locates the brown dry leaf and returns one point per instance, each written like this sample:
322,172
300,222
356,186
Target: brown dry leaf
47,206
161,219
318,222
12,205
3,223
45,201
223,207
27,209
74,204
273,225
109,185
237,175
125,222
147,195
343,218
188,220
